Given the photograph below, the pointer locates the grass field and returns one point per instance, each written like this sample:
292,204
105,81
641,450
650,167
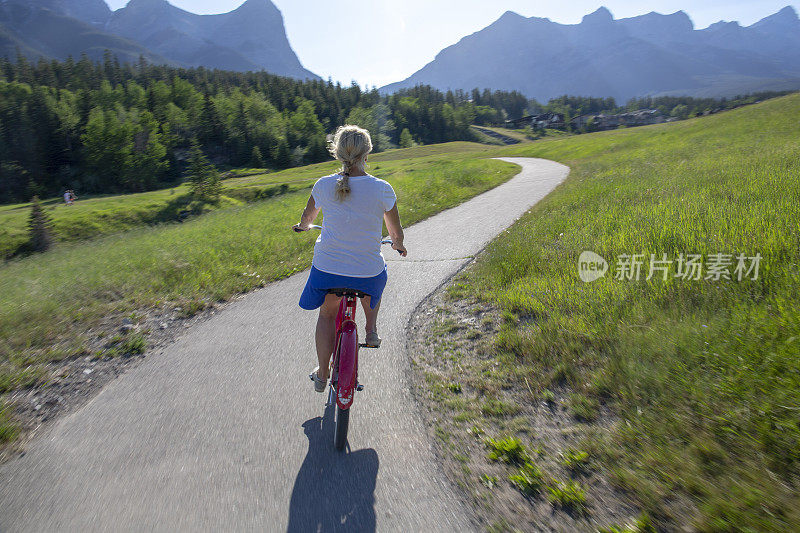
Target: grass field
105,215
702,376
52,304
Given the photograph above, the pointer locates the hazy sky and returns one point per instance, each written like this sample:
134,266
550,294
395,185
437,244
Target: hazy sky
376,42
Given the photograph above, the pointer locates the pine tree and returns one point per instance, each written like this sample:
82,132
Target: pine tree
317,149
406,141
39,228
210,129
282,155
204,182
256,159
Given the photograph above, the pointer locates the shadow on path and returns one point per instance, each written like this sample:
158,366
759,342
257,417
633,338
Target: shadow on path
333,491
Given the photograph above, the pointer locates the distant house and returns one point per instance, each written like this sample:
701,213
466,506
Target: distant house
581,121
550,120
602,121
544,120
519,123
641,117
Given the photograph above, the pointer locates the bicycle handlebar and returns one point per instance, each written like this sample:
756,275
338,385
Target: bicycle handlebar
312,226
385,240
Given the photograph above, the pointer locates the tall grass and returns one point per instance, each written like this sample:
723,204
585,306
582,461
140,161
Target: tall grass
49,303
704,376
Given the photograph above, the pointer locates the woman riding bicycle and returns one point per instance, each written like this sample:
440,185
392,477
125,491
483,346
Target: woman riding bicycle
347,253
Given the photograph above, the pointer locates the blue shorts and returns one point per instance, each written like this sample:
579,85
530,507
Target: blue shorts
319,282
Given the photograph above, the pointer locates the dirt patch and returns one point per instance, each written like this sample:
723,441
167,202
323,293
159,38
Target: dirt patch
113,346
476,401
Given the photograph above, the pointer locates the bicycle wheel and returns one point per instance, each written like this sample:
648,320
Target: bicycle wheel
342,421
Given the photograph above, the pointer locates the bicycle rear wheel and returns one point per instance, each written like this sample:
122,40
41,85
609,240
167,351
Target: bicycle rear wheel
342,422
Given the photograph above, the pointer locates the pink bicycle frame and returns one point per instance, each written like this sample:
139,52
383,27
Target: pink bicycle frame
347,350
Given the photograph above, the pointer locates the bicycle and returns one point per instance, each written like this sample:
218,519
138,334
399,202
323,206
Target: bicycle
344,361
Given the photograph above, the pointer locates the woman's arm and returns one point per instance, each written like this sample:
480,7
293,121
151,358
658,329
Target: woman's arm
395,228
309,214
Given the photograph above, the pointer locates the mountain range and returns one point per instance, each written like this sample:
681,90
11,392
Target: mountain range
251,37
651,54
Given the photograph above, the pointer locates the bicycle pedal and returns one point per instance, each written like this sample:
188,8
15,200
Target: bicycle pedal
365,345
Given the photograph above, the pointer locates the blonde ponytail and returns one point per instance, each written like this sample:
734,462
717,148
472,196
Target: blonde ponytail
343,187
350,146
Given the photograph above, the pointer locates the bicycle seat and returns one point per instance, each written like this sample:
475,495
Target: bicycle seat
347,292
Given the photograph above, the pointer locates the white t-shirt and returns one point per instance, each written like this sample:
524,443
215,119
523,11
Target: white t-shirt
350,242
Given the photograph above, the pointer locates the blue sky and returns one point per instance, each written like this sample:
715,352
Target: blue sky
376,42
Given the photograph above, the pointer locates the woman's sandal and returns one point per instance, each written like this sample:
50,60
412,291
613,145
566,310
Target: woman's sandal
319,384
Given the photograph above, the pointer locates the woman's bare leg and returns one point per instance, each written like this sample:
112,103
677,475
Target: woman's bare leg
371,314
326,333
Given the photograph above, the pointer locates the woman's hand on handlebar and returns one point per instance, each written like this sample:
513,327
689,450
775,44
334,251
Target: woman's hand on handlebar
299,227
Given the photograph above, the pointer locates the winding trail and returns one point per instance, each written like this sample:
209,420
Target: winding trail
223,432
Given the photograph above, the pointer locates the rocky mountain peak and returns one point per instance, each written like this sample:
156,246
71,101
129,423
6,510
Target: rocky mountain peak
678,21
655,26
137,5
263,6
787,13
510,16
724,25
601,16
251,37
784,19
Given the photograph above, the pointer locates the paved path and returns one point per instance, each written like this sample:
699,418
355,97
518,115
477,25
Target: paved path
223,432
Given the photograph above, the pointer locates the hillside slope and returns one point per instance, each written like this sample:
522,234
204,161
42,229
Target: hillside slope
681,386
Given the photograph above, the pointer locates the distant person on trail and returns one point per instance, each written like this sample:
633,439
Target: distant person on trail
347,253
68,197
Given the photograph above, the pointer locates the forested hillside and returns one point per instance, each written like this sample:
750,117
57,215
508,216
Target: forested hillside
103,127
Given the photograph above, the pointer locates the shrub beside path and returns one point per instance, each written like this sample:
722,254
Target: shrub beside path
222,430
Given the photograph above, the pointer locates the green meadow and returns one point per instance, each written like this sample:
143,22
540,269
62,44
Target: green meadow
701,377
105,215
53,304
689,390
